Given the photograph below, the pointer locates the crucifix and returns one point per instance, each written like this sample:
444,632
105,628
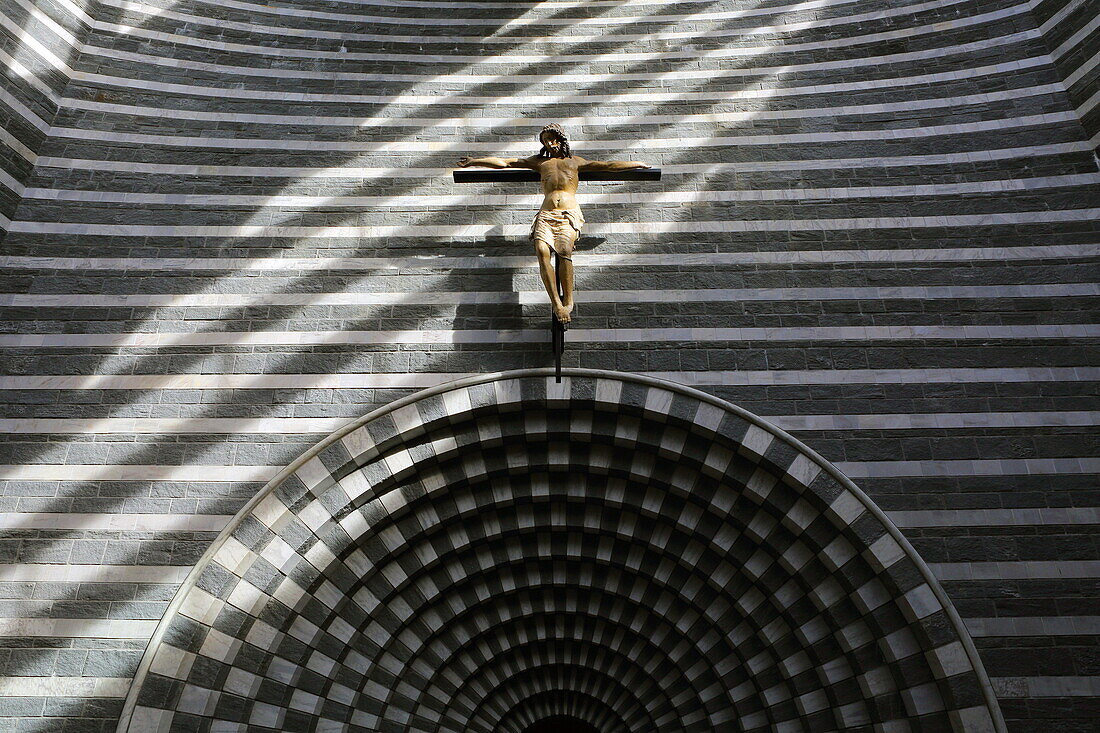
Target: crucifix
558,223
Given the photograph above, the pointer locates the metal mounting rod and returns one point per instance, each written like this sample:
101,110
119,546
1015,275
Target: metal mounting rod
557,328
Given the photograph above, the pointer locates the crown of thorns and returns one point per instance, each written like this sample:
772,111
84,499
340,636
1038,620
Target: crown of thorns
557,130
554,127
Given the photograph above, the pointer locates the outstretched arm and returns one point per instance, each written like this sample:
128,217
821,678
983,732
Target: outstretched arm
611,166
494,162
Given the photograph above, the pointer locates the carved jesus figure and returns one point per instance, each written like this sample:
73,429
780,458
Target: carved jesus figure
558,223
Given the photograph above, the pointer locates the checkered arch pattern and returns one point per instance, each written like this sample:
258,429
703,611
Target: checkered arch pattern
498,551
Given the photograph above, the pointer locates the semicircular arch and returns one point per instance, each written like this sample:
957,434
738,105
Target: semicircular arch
350,552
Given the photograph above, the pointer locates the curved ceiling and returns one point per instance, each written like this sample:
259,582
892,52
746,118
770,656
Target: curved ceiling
617,551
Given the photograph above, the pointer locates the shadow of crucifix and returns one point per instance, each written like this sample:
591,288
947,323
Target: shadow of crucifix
558,223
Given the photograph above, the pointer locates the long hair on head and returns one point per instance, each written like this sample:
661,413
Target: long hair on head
556,129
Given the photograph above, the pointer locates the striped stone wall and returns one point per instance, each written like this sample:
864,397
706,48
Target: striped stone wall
878,229
39,41
1072,32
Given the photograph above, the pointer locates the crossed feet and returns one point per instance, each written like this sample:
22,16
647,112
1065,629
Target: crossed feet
563,313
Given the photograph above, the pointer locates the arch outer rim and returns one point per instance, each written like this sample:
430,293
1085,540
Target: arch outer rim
191,579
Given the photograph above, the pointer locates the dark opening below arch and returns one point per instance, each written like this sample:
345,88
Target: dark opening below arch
561,724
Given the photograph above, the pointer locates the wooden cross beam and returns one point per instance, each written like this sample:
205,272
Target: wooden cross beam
519,175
